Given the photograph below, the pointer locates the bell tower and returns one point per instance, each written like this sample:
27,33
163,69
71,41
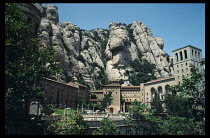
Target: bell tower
182,58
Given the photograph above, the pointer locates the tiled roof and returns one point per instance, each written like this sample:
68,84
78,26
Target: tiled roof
160,79
97,100
73,84
130,87
97,91
111,85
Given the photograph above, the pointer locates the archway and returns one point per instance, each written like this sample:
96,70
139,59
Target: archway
152,90
160,92
167,88
111,110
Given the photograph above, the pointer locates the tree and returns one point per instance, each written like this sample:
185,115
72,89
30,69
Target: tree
106,100
24,68
71,124
157,103
193,89
147,123
177,106
144,72
108,128
186,111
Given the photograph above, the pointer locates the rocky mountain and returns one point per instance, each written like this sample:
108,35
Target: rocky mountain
93,56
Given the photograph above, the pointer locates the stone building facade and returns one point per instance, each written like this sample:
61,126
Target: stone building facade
182,58
123,96
32,13
66,93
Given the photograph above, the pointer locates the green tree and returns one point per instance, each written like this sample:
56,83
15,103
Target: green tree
157,104
108,128
70,124
147,123
106,101
47,109
24,67
193,89
177,106
144,72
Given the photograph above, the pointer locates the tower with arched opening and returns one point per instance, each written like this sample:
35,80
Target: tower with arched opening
182,58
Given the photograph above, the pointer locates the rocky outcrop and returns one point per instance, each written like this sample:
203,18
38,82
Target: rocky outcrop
84,54
134,42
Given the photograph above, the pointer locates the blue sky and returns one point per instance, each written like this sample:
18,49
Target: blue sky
178,24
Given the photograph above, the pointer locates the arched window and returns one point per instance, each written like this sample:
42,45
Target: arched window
195,55
167,88
160,90
152,90
181,58
29,19
198,56
185,54
36,28
177,58
192,52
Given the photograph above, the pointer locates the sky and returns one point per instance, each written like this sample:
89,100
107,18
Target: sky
178,24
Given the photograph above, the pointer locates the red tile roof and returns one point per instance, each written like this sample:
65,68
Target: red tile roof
96,100
97,91
111,85
160,79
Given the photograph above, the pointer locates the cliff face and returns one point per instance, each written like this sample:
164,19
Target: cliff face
87,55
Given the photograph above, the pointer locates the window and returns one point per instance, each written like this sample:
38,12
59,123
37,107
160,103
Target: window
198,56
186,64
185,54
36,28
181,58
177,71
195,54
186,69
152,90
177,66
160,90
128,132
177,59
29,20
167,88
182,70
178,77
192,52
181,65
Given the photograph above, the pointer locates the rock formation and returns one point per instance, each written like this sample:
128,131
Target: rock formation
84,55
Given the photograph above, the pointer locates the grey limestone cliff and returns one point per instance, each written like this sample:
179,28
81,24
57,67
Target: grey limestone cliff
85,55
